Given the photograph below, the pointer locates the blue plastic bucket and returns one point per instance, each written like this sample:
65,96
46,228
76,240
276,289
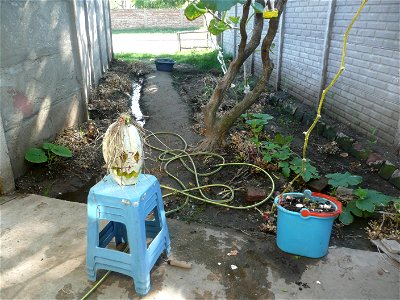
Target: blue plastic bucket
164,64
305,233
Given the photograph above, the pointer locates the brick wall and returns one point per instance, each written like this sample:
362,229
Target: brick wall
367,96
140,18
305,23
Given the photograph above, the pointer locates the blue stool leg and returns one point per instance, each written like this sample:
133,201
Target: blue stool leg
142,285
138,250
92,238
118,231
163,221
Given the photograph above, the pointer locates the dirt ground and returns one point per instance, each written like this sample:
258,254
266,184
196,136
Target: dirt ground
177,110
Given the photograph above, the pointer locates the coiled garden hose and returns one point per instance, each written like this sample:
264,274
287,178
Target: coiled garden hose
168,156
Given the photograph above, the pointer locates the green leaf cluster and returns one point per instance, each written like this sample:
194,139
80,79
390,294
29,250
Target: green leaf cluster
256,123
47,153
364,204
278,151
198,8
343,179
364,201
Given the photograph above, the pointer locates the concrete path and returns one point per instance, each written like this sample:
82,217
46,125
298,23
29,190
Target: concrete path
43,245
166,110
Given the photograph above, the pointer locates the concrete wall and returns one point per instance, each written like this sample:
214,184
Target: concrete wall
307,55
52,52
147,18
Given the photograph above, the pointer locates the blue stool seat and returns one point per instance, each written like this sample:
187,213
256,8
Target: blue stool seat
134,214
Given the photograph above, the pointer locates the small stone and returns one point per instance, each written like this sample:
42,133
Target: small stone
298,115
342,191
380,272
345,142
329,132
320,127
318,184
386,170
359,152
392,246
219,264
277,97
395,179
344,154
234,267
375,160
233,253
289,108
254,194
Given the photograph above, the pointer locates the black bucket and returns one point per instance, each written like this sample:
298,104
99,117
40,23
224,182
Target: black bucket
164,64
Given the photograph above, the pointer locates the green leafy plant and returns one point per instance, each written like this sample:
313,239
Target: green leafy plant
343,179
48,152
278,151
309,172
257,123
364,204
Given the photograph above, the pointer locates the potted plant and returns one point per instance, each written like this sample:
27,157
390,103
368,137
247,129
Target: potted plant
305,222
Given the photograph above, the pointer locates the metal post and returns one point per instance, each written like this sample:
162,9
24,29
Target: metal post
234,35
253,56
105,31
179,41
280,49
325,50
110,30
99,42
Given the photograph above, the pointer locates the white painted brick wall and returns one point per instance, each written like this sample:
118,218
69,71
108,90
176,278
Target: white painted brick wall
367,96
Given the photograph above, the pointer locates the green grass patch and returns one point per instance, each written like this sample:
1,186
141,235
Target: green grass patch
202,59
154,30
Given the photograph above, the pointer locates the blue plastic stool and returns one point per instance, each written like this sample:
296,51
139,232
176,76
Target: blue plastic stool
126,208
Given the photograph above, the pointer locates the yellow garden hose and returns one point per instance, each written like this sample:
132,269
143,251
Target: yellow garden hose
168,155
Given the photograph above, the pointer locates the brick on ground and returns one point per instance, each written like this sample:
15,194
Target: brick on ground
387,170
395,178
255,194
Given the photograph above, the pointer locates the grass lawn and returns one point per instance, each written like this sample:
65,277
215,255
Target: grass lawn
154,30
201,59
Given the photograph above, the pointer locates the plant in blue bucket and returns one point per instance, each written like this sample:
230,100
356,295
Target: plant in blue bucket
305,222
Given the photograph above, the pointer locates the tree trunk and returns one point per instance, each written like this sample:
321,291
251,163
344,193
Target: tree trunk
216,129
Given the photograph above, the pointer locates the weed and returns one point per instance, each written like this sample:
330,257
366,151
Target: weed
363,202
257,123
48,152
154,30
202,59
